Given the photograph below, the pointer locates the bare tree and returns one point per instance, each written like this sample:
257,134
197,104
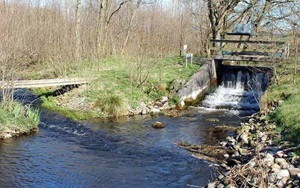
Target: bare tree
77,29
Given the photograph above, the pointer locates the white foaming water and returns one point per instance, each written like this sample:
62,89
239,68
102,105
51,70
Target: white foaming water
233,95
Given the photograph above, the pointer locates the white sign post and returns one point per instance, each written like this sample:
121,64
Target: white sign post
184,53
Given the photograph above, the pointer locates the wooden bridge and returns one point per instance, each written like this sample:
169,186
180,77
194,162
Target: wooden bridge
232,51
44,83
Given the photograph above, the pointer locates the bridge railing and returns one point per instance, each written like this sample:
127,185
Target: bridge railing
249,48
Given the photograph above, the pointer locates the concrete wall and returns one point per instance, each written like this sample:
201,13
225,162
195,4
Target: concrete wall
199,84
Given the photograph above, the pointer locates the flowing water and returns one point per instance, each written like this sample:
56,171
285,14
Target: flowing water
239,90
130,153
127,153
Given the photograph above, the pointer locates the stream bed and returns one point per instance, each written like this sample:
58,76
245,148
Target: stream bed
123,153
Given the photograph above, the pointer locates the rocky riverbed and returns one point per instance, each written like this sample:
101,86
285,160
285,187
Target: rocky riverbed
255,157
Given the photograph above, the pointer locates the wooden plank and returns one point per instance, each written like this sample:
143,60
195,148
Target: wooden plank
247,58
44,82
249,41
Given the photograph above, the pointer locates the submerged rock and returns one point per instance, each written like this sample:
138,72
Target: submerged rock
213,120
158,125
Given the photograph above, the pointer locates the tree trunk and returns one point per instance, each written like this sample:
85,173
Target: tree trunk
77,30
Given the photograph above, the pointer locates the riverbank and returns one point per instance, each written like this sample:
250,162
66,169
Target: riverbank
265,150
17,120
122,86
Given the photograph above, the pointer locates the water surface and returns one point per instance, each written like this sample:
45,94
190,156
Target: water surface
129,153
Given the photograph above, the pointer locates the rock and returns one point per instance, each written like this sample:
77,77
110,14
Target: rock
281,162
294,172
154,110
211,185
166,106
243,151
268,160
164,99
252,164
213,120
225,166
226,156
142,109
275,168
244,138
5,135
280,154
144,112
158,125
264,138
284,173
223,143
220,186
230,139
220,177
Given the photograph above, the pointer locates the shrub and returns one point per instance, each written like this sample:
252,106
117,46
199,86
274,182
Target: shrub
113,105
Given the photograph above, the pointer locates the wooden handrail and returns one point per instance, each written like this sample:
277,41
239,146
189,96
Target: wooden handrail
249,41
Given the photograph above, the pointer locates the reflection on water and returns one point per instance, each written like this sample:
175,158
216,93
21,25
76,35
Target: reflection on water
131,153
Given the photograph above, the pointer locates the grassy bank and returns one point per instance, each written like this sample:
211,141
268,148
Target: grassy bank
287,94
120,84
16,119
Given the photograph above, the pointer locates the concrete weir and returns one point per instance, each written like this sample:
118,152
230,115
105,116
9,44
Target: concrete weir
216,73
199,84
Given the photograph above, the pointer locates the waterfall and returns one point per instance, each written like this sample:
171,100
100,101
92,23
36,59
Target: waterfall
239,89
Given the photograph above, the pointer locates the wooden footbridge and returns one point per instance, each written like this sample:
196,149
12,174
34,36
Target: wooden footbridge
44,83
251,51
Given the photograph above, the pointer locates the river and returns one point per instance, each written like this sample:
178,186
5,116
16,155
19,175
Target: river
124,153
129,152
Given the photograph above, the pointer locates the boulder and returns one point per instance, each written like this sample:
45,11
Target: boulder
244,138
295,172
284,173
154,110
281,162
158,125
268,160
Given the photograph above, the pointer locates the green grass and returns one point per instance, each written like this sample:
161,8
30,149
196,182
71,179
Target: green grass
15,116
287,115
132,80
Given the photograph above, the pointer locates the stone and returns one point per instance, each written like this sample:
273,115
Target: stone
268,160
226,156
211,185
158,125
154,110
243,151
281,162
213,120
280,154
264,138
294,172
164,99
230,139
275,168
283,173
144,112
223,143
5,135
220,177
166,106
220,186
283,182
244,138
252,164
142,108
